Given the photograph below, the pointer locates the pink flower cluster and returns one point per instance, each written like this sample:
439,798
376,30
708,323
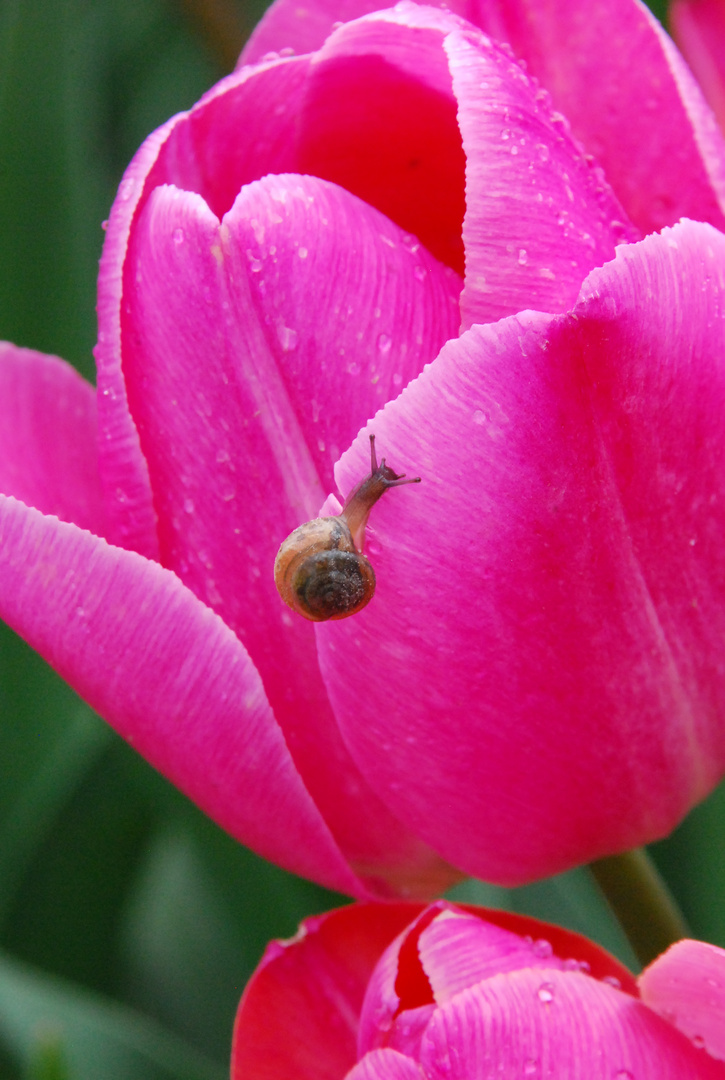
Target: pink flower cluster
399,992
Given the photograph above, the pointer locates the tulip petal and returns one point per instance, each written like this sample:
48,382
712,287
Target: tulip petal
48,437
686,985
562,1024
288,25
549,610
699,30
458,950
169,676
539,215
200,151
299,1013
629,99
614,75
229,323
379,119
386,1064
450,947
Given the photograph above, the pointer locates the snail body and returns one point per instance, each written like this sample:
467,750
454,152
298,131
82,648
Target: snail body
320,570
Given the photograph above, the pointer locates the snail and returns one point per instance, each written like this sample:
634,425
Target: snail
320,571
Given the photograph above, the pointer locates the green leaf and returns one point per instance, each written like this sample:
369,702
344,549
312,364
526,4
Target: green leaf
52,1025
81,86
201,914
48,739
47,1057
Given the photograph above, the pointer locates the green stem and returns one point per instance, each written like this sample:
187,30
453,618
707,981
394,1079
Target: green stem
640,899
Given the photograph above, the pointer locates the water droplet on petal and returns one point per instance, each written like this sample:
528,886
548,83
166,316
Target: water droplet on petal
189,506
302,252
287,338
385,343
419,272
545,992
612,980
178,235
255,264
542,948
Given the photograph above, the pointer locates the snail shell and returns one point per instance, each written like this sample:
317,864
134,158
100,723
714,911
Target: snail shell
320,571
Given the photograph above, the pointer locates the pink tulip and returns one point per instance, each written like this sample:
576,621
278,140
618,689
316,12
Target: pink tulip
539,679
399,992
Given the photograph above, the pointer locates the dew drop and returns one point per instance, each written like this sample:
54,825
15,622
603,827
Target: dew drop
623,1074
385,344
698,1041
287,338
189,506
104,224
479,417
523,257
612,980
255,264
125,191
419,272
270,56
302,252
397,379
287,51
545,992
178,235
542,948
530,1067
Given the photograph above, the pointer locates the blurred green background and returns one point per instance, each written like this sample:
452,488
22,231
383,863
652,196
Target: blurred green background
128,922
